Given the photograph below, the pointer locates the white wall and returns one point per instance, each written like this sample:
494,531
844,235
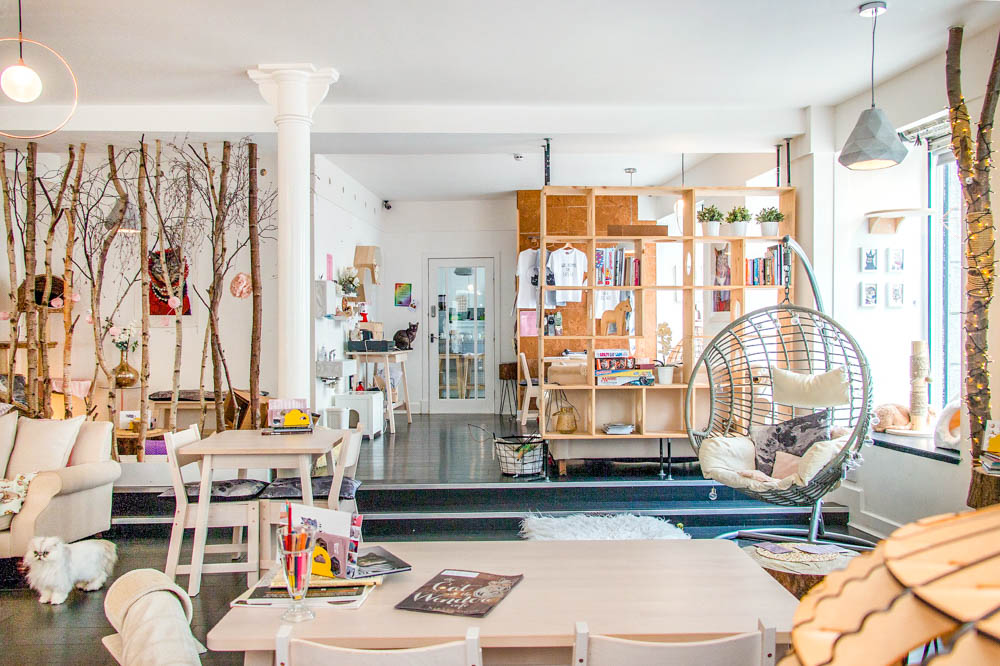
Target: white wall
344,214
416,231
234,314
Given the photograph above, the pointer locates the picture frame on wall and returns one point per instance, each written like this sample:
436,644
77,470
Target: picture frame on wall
869,259
894,295
868,295
894,260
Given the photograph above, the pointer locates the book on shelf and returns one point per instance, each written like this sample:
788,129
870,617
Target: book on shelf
611,353
624,377
767,270
457,592
617,363
614,268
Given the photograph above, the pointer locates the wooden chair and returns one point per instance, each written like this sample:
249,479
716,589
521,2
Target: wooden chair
531,389
271,509
751,649
298,652
220,514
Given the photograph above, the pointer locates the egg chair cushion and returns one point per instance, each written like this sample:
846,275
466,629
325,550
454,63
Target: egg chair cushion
822,390
732,462
793,436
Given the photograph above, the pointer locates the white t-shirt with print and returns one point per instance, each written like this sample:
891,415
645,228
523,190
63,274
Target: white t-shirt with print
527,281
569,266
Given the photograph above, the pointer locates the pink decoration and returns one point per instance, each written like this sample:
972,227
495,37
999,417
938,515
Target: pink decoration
89,318
114,331
240,286
173,302
56,302
4,315
75,298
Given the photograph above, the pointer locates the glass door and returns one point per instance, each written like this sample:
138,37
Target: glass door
460,352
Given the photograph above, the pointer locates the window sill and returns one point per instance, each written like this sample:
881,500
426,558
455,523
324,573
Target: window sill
917,446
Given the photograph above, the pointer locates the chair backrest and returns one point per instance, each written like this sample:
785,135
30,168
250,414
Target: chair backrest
750,649
524,367
299,652
175,441
347,463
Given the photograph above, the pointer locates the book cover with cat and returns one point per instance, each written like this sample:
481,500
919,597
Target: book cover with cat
456,592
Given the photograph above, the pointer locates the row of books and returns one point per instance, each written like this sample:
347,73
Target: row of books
766,270
630,377
613,268
990,462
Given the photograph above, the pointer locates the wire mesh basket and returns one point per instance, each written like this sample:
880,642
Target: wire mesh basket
520,455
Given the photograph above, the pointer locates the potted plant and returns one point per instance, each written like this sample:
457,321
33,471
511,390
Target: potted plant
711,219
769,219
737,217
349,280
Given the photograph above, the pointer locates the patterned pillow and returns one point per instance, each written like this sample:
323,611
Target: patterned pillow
291,488
793,436
234,490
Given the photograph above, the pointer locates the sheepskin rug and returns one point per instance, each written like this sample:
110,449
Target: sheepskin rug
581,527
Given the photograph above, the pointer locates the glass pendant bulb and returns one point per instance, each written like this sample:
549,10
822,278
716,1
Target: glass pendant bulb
20,83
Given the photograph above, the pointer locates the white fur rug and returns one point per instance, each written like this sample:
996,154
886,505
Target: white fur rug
581,527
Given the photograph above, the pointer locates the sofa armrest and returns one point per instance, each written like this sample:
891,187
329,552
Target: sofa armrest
86,476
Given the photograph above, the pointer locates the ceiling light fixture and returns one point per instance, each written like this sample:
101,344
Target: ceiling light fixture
23,85
631,172
873,143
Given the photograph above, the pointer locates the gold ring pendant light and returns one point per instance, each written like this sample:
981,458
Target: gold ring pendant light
20,74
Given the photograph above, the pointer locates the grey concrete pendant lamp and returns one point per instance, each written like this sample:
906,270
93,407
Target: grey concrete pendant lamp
874,143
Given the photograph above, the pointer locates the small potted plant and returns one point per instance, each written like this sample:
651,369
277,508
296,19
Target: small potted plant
711,219
769,219
737,217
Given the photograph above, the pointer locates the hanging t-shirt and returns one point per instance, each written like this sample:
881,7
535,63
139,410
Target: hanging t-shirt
569,266
527,281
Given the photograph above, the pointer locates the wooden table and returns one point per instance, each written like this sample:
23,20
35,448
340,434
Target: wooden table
251,449
385,358
123,435
648,590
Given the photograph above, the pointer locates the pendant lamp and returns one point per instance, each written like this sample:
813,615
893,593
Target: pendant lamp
874,143
21,83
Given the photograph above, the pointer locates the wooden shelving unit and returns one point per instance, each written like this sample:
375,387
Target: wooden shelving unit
580,216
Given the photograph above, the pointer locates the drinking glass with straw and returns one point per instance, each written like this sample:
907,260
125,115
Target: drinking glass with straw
295,549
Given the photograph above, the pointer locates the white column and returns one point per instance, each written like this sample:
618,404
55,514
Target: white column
294,91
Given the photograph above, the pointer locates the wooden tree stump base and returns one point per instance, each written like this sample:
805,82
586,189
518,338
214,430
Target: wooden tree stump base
799,577
984,490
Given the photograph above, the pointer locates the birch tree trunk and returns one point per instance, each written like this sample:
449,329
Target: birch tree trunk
69,323
219,196
31,312
256,286
15,303
144,296
974,176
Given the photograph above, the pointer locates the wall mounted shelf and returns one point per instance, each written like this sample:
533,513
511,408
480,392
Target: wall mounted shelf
888,221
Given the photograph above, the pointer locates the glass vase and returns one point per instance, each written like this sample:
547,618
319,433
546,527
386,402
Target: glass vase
295,550
125,374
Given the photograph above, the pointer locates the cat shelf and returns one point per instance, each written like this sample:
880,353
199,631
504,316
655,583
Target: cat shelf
888,221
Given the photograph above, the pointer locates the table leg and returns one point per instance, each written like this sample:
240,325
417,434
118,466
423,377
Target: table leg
389,411
305,466
238,531
406,391
201,526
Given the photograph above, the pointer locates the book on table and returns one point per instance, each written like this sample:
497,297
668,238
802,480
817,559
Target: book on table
272,592
458,592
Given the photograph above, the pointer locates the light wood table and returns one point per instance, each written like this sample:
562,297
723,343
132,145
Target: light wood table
251,449
131,437
642,590
385,358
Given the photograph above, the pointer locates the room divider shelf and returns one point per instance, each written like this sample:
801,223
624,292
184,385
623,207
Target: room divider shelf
682,297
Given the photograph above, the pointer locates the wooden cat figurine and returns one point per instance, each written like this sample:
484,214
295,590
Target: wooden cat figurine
616,318
404,338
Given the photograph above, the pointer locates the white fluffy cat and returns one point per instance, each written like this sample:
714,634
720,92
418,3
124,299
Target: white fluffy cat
55,566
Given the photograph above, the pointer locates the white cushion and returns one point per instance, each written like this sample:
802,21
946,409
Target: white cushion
827,389
42,444
785,464
8,428
731,462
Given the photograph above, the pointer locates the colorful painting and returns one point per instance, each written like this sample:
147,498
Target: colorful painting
869,260
403,294
721,276
160,301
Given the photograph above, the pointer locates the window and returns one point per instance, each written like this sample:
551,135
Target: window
946,287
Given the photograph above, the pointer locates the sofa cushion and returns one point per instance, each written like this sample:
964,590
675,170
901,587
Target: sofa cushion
8,428
233,490
93,444
793,436
42,444
798,389
291,488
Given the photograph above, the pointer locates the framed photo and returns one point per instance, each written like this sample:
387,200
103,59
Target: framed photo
869,259
894,295
869,294
894,259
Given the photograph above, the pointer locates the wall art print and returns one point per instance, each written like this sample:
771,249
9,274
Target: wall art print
721,276
403,294
159,294
869,259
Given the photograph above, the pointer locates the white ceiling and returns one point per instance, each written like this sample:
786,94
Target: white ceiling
558,52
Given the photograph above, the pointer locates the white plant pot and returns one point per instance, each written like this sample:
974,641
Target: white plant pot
711,228
769,228
737,229
664,374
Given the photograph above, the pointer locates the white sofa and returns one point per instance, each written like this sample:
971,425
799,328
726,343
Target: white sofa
71,495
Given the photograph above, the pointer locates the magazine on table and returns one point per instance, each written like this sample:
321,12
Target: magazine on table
265,595
458,592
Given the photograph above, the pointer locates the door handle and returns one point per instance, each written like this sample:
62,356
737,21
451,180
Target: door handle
432,337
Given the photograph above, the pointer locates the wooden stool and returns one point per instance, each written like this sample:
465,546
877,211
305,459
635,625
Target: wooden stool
799,575
508,387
